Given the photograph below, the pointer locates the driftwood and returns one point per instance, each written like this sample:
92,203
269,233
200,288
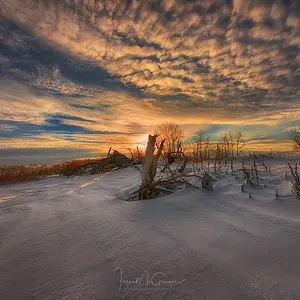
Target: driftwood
170,158
175,178
147,189
114,161
152,186
182,167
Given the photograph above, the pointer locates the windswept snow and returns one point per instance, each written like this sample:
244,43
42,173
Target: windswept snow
73,238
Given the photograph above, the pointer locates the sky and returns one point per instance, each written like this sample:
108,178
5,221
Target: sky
77,77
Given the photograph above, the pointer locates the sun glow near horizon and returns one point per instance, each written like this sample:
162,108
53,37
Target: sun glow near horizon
112,74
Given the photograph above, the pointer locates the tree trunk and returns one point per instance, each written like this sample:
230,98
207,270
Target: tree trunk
147,188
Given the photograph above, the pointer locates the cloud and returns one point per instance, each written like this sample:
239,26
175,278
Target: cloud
142,47
18,103
7,127
125,66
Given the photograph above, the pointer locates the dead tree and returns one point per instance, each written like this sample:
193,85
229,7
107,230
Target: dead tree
147,189
171,133
152,186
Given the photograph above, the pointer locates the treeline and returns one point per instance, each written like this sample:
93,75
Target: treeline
201,146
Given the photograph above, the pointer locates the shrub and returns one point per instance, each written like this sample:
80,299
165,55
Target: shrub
296,181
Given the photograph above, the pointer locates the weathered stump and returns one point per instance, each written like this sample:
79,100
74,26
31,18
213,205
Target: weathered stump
207,182
147,189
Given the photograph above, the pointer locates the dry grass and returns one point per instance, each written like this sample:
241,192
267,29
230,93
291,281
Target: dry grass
24,173
136,154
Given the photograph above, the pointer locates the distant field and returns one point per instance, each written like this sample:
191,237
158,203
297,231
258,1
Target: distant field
21,173
30,172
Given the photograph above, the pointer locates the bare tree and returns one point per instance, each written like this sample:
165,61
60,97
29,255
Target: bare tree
200,139
218,156
229,143
295,137
239,143
208,149
225,145
171,133
233,143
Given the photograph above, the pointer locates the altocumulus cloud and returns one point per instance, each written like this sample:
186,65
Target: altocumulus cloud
128,65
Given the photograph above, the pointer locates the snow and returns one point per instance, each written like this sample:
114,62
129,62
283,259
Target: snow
70,238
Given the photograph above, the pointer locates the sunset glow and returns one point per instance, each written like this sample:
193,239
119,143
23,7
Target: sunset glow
87,75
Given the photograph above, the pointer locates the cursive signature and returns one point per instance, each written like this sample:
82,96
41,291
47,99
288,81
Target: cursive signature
158,279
